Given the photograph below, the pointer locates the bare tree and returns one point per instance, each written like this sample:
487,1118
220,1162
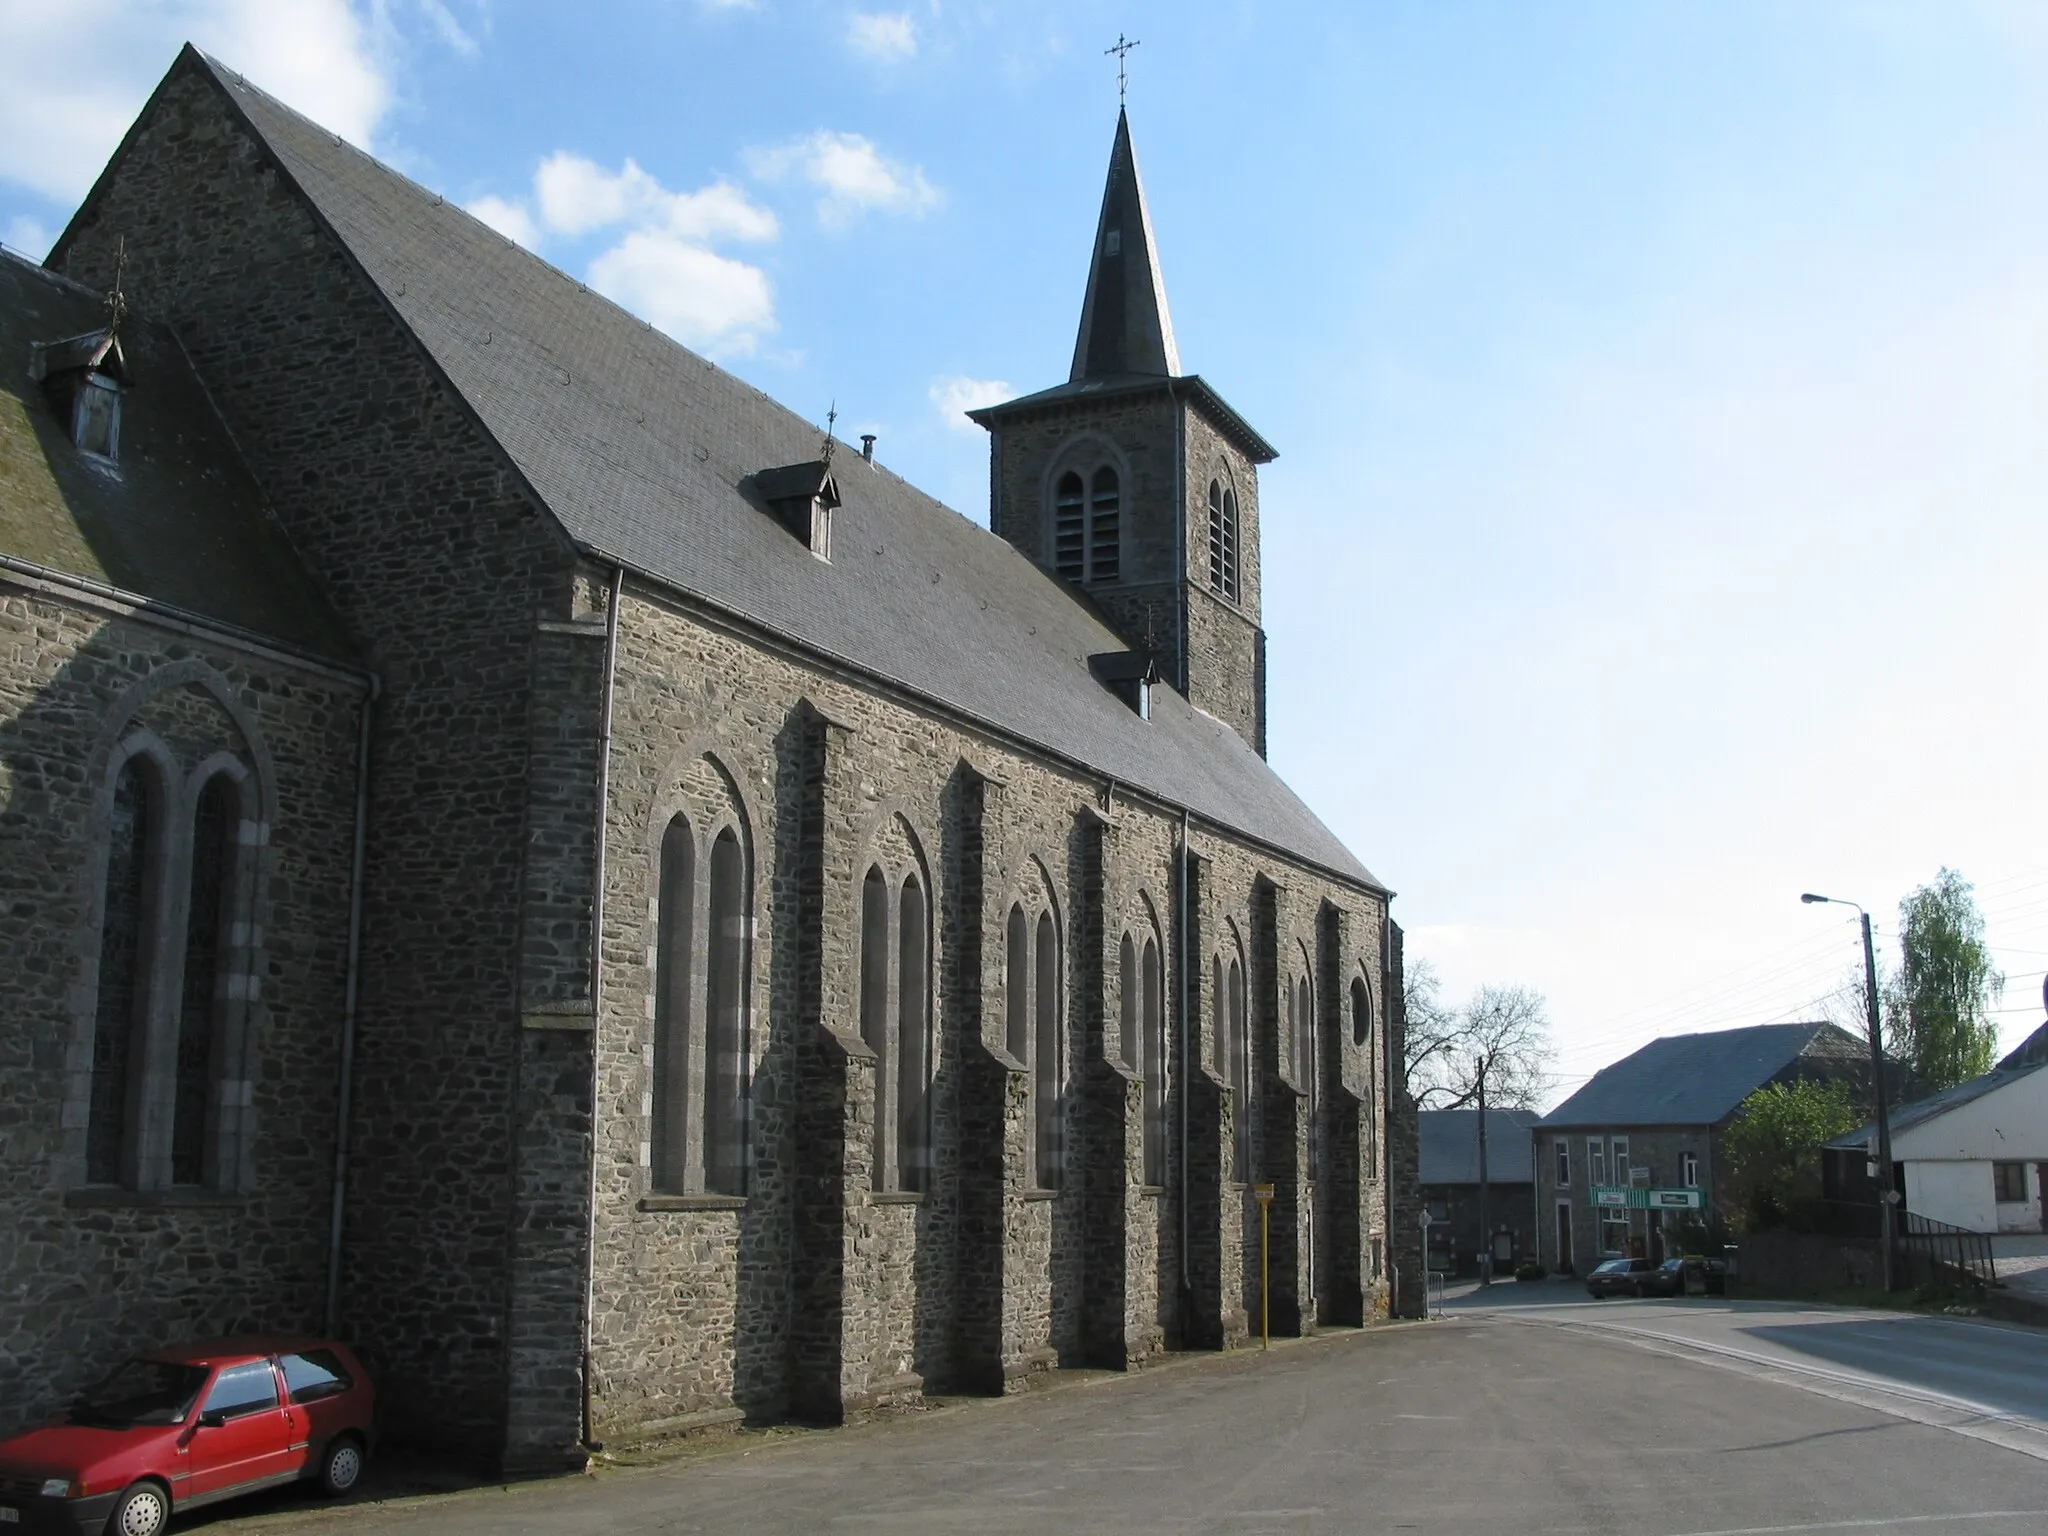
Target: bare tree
1434,1035
1502,1036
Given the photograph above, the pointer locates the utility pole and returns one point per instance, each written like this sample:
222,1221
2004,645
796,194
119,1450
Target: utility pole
1887,1195
1485,1217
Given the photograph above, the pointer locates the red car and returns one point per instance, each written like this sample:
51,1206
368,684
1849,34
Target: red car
182,1427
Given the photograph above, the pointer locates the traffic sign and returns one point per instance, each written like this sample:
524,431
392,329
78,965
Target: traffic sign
1262,1193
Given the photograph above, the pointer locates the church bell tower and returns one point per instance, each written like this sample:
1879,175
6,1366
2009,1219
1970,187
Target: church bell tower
1136,482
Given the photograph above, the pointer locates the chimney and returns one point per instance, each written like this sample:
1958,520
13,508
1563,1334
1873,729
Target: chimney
867,447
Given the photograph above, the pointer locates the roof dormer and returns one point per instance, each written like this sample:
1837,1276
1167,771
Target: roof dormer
802,498
84,377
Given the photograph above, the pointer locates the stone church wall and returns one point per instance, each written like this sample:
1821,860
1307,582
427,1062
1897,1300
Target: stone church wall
94,1274
425,545
706,1307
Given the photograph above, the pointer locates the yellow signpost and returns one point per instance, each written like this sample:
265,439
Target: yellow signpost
1264,1192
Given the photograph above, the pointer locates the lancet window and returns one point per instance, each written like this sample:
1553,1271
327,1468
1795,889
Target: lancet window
895,1014
1033,1017
703,1048
1223,540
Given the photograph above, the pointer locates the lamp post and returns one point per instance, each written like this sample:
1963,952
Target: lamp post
1887,1195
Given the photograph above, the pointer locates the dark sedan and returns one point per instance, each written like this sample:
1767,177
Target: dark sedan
1623,1277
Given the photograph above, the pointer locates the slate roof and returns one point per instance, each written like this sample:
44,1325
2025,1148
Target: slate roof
1702,1079
638,446
1449,1152
177,518
1920,1111
1126,326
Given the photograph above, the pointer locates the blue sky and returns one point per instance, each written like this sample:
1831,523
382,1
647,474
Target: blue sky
1661,520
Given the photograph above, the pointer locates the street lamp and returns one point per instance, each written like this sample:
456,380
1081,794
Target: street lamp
1887,1195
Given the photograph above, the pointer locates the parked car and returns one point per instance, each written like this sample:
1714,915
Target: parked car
179,1428
1620,1277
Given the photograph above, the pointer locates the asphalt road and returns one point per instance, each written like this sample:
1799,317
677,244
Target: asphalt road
1695,1418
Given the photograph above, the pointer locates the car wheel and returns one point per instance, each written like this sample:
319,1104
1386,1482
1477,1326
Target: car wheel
341,1465
144,1510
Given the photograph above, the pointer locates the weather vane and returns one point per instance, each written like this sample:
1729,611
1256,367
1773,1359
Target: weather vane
1123,46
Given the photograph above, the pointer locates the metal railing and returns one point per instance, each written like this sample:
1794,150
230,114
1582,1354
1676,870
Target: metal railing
1957,1248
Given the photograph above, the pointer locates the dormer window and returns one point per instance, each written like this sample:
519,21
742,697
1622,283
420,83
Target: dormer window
802,497
84,377
96,416
1130,676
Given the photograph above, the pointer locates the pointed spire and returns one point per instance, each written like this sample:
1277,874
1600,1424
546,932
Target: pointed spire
1125,325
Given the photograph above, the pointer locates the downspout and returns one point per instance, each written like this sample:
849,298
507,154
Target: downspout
604,792
1187,1081
351,990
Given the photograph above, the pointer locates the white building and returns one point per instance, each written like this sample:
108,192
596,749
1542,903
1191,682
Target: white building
1976,1155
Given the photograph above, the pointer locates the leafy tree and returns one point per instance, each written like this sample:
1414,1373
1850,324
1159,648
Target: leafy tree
1503,1033
1773,1146
1940,1022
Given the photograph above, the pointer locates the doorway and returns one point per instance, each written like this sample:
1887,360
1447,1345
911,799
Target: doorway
1564,1237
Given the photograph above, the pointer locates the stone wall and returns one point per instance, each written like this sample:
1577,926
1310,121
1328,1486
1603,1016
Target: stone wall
817,1294
93,1273
427,547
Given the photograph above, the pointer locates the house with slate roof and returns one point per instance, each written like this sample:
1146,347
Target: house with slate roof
1973,1156
1650,1125
1450,1174
522,851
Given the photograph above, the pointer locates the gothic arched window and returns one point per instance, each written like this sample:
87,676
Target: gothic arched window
1127,1002
134,833
726,1042
1305,1059
913,1038
1152,1021
208,925
1223,540
874,1006
1240,1068
669,1136
1087,526
1048,1078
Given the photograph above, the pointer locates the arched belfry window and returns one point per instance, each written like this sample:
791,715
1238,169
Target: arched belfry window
1087,536
703,1039
120,1023
1223,540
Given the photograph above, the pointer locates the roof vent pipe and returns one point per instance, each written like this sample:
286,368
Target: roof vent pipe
867,446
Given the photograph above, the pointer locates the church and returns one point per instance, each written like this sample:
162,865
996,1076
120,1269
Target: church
520,851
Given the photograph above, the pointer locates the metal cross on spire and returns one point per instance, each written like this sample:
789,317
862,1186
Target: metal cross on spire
1123,47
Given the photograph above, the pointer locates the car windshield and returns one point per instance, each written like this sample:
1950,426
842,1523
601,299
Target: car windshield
1613,1267
141,1392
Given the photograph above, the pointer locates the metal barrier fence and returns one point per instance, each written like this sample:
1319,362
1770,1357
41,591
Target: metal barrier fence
1957,1248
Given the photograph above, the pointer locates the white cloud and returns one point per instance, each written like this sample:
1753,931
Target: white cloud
577,196
509,219
700,298
854,176
452,32
27,237
889,36
73,76
660,264
956,394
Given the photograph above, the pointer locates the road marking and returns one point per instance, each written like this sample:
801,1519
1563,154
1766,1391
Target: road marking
1981,1421
1885,1523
